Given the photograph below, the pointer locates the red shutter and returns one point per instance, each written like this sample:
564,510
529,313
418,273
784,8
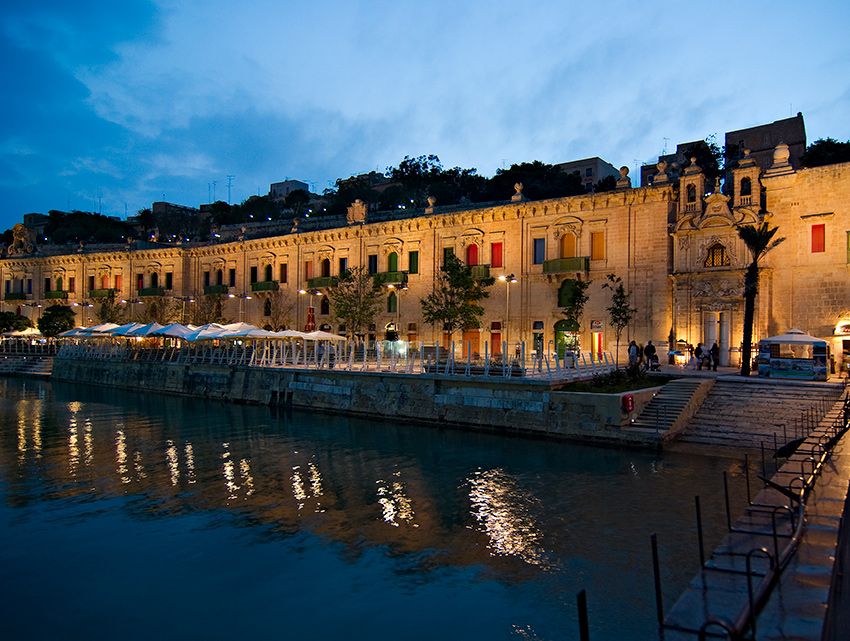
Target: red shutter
818,238
496,255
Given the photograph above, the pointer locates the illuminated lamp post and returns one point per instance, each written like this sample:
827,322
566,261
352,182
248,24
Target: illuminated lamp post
508,280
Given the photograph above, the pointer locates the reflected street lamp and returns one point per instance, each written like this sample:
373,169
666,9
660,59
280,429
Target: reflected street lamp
242,297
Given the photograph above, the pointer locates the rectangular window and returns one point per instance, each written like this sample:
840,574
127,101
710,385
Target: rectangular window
308,269
848,247
539,251
231,277
47,284
343,266
206,279
117,282
8,287
91,282
588,172
254,274
29,285
818,239
597,245
72,284
496,255
169,280
140,281
413,262
447,251
284,273
373,263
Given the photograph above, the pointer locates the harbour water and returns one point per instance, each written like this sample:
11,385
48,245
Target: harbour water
136,516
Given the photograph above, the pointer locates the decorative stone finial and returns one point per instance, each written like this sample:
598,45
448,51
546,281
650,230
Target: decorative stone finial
22,241
780,166
431,202
356,212
518,196
624,182
717,185
661,176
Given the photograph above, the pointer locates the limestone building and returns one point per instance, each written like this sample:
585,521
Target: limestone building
675,247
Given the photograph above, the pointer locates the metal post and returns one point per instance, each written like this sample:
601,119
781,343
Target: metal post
583,632
747,477
726,501
659,606
699,532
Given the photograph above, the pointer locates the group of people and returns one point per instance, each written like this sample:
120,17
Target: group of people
646,358
708,357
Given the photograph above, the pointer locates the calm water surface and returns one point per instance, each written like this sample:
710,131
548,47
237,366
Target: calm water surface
130,516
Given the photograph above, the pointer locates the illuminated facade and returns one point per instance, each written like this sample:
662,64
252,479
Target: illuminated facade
675,248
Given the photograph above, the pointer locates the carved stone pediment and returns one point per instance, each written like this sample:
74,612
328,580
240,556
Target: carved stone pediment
356,212
23,241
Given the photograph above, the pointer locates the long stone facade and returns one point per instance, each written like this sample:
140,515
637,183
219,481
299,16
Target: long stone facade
674,244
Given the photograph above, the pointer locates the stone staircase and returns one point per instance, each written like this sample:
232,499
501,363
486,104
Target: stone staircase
26,365
744,413
671,408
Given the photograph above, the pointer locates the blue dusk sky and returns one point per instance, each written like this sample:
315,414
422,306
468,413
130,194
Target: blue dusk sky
109,106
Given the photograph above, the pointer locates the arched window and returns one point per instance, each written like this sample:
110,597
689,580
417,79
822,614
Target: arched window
267,307
392,262
154,280
717,256
325,306
472,255
392,303
326,267
746,187
692,194
267,273
568,245
219,277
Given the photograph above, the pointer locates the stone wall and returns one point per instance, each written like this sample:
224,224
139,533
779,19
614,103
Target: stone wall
503,405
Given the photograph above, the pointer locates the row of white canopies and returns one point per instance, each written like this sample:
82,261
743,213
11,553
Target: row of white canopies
192,333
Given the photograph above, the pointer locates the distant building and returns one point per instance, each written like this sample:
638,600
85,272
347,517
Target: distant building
590,170
763,139
279,191
36,223
675,161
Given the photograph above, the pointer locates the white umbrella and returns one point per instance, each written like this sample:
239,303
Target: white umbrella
101,328
206,332
174,330
145,330
125,330
29,332
323,336
71,333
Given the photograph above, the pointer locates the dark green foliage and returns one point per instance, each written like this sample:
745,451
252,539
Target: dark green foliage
146,219
12,322
109,311
454,302
825,151
80,226
539,181
356,300
572,297
620,312
56,319
709,157
609,183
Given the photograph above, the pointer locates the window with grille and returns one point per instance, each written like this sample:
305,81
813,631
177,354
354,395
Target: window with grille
717,256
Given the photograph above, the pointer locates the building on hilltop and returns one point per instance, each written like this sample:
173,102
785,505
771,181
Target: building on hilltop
590,170
280,190
761,140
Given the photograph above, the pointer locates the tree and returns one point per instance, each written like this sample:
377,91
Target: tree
759,240
56,319
281,310
209,310
620,312
161,310
608,183
573,299
454,302
109,311
709,157
297,200
146,219
825,151
12,322
539,180
356,300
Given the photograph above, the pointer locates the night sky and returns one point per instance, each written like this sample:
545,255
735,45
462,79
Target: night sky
111,105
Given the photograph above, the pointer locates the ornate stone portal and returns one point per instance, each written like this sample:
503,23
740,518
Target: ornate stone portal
22,241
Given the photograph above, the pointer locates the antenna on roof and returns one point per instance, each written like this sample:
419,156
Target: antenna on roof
666,140
230,178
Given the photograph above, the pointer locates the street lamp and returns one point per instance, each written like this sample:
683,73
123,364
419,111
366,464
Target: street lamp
84,305
242,298
508,280
398,289
184,300
310,323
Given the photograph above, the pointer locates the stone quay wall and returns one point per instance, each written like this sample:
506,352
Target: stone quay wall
501,405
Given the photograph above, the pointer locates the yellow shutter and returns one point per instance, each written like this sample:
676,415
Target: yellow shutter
597,245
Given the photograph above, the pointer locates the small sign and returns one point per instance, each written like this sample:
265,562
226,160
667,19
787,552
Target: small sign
596,326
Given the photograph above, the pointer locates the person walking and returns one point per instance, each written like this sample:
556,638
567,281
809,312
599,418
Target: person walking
649,355
633,354
715,356
698,353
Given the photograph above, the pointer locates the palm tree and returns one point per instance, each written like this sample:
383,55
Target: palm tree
759,240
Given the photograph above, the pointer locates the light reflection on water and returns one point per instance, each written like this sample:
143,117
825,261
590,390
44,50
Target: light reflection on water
325,520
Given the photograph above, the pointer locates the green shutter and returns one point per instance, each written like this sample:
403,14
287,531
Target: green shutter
413,261
392,262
